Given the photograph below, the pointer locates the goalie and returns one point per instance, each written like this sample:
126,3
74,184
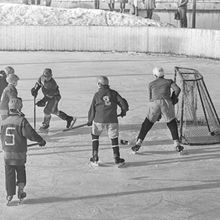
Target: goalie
161,104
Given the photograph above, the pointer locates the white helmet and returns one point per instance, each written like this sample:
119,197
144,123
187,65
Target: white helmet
102,81
9,70
15,104
158,72
12,79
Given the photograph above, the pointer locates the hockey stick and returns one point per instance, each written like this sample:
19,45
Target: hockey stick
75,127
34,113
34,144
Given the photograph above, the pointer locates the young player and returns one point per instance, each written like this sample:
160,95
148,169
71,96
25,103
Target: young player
160,103
103,115
50,100
15,130
9,92
3,82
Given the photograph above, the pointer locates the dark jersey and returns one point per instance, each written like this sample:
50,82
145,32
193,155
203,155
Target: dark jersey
9,92
103,108
3,84
160,89
49,88
15,130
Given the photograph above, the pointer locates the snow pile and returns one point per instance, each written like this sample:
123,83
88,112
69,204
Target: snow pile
19,14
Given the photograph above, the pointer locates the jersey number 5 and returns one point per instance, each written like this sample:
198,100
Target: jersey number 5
10,136
106,100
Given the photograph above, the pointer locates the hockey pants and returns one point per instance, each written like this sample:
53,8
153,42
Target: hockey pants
13,176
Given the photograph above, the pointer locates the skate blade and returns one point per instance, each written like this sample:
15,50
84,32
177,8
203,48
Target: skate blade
120,165
184,152
133,152
97,164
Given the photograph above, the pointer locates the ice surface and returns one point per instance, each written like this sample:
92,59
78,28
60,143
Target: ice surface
156,184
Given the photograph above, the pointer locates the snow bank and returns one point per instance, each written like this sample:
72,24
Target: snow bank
19,14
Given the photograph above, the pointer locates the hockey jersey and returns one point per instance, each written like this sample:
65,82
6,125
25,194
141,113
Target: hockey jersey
15,130
9,92
103,108
160,89
49,88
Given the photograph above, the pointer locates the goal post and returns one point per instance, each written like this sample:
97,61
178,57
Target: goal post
195,112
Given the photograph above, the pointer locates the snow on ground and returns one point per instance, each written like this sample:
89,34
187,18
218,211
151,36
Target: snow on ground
157,184
20,14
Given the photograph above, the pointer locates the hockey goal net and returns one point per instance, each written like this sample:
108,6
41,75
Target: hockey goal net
195,112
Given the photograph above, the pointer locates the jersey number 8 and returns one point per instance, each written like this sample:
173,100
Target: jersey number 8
106,100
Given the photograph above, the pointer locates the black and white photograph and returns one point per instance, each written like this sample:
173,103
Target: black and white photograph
110,109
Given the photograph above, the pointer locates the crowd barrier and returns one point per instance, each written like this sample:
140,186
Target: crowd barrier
190,42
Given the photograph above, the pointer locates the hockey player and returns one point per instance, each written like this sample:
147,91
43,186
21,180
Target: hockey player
15,130
160,103
103,115
3,75
3,82
9,92
50,100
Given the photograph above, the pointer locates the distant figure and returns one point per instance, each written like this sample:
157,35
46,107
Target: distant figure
122,5
182,8
35,2
133,7
97,3
149,5
111,5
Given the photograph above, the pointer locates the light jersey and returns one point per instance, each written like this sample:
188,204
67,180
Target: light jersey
9,92
49,88
103,108
160,89
15,130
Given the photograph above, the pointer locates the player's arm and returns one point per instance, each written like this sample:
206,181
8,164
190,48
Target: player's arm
122,102
176,91
35,89
31,134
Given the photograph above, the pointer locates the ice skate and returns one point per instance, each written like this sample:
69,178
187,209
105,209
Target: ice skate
119,162
135,148
9,199
21,193
70,122
181,150
44,127
94,161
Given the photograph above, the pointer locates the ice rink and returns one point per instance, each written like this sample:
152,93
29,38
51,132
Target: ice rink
157,184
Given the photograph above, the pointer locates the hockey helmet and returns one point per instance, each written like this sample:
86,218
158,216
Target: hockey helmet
102,81
2,74
47,74
158,72
9,70
12,79
15,104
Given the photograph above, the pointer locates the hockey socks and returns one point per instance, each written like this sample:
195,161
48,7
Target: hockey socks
146,126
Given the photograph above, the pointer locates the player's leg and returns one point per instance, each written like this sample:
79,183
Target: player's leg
113,133
168,112
153,113
97,129
10,181
21,181
70,121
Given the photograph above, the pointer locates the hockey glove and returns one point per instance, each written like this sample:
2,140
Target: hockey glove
174,98
42,102
42,143
34,92
89,123
123,113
